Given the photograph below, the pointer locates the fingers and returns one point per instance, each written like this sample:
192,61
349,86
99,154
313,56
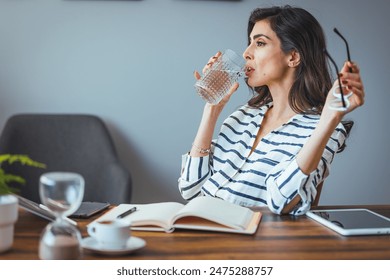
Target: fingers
211,61
233,88
350,77
350,73
354,86
353,66
229,94
358,90
197,75
350,67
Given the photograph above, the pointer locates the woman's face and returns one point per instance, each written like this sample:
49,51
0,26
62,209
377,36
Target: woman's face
265,61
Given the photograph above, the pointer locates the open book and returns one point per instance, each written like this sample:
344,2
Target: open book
201,213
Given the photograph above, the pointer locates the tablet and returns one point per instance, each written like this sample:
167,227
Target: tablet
352,221
89,208
39,209
35,208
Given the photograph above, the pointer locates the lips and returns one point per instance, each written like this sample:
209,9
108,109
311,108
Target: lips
248,70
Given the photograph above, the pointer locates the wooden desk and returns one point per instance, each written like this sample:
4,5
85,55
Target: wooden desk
278,237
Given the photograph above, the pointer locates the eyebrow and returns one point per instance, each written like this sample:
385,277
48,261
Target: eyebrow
260,35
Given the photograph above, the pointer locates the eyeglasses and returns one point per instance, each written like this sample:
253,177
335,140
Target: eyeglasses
338,91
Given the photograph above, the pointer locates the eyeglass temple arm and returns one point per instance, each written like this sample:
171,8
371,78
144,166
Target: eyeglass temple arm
346,44
338,77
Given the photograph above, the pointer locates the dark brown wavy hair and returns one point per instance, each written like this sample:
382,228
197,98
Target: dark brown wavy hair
297,30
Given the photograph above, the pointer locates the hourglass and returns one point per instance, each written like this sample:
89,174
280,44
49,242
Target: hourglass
61,193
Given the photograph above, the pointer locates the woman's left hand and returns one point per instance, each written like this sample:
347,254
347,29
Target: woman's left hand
352,82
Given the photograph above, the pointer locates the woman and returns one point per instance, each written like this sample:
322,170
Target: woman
278,148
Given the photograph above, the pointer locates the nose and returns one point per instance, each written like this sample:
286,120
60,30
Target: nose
247,53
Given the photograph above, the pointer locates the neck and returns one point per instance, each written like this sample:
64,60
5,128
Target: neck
281,109
279,114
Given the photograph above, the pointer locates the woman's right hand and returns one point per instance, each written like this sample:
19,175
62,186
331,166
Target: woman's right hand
233,89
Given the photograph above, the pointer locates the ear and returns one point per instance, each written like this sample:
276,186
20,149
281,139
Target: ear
294,59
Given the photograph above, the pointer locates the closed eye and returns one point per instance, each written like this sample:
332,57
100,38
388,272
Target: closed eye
260,44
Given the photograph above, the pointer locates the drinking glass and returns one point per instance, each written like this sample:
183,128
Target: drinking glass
217,81
61,193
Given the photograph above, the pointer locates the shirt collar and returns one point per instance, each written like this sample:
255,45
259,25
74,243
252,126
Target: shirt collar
303,118
306,118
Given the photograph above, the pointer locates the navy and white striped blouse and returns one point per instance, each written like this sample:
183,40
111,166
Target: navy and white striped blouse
270,175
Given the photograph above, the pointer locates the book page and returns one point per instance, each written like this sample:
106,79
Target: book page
146,215
196,223
218,211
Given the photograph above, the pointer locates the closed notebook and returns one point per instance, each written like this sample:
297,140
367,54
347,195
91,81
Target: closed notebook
201,213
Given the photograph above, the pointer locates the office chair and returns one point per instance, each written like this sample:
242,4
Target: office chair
348,127
318,195
66,142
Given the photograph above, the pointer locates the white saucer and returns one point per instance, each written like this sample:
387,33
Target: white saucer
133,244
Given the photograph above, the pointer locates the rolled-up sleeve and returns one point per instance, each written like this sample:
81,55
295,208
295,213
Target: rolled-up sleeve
283,184
286,180
194,172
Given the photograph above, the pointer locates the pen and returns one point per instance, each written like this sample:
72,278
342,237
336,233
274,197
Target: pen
128,212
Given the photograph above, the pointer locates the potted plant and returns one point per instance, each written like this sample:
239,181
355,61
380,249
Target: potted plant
8,202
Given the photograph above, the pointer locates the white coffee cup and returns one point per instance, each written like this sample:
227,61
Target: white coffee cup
110,234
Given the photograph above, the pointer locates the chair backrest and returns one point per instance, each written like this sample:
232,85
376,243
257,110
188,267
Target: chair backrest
67,142
348,127
318,195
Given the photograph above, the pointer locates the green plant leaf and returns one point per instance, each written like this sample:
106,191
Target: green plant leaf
23,159
5,179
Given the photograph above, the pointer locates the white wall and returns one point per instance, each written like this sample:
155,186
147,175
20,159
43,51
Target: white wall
131,63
